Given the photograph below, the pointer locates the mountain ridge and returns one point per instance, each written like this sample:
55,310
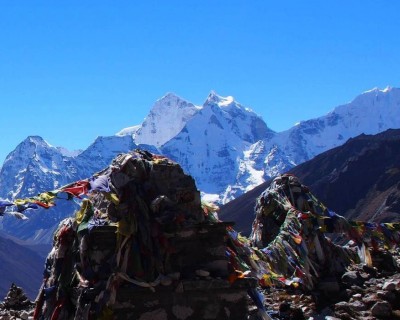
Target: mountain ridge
359,180
225,146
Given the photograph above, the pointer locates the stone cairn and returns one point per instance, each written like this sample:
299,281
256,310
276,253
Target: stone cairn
16,305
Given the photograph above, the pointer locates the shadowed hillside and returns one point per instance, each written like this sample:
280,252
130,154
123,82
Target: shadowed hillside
19,265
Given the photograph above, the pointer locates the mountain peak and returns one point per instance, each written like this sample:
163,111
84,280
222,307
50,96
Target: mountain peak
214,98
376,90
377,99
387,89
166,119
35,139
33,143
169,96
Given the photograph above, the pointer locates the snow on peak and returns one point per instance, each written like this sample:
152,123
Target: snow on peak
166,119
213,97
375,99
31,145
387,89
37,140
130,131
371,90
377,90
226,103
169,96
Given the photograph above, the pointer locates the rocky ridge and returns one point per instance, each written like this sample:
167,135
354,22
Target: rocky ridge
221,138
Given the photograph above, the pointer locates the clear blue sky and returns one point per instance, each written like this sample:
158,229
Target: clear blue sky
73,70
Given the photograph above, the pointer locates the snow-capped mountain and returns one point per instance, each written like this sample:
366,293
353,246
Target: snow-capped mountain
35,166
101,152
212,141
166,119
372,112
225,146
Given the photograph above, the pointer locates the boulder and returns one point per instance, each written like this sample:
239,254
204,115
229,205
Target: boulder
381,309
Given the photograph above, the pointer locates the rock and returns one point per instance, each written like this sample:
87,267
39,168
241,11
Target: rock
357,289
386,295
381,309
24,315
349,293
343,315
370,299
389,286
396,314
305,308
284,309
371,282
352,278
357,306
370,270
358,296
342,306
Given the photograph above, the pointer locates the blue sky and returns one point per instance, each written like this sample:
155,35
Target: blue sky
73,70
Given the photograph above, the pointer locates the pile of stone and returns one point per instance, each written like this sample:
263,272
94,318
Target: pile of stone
16,305
305,274
372,294
142,246
363,292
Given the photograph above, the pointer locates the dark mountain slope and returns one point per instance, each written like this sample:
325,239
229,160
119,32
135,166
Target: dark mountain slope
360,180
19,265
241,209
